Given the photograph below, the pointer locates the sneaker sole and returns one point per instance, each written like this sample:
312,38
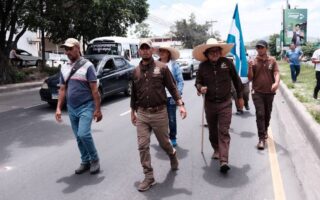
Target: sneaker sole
95,172
152,184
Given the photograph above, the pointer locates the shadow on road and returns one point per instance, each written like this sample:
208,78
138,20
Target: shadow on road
236,177
165,189
161,154
76,182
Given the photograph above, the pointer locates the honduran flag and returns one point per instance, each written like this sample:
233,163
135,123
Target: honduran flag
238,50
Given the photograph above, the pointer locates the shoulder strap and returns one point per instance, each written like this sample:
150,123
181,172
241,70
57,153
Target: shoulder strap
75,68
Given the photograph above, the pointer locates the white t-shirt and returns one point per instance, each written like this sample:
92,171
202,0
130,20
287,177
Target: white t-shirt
316,55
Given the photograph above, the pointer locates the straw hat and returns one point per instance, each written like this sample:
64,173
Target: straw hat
174,53
198,51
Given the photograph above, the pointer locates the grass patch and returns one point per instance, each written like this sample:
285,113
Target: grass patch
303,88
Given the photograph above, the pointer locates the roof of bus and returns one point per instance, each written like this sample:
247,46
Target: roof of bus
116,39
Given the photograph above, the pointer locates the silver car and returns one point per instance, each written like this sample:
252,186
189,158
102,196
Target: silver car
187,63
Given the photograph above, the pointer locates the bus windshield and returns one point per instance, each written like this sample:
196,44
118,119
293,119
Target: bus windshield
109,48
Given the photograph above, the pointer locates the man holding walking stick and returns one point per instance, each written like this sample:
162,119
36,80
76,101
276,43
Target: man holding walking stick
214,80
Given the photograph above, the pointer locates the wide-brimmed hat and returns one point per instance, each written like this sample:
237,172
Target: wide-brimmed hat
70,42
198,51
174,53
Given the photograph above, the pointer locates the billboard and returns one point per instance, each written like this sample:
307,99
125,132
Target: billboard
295,26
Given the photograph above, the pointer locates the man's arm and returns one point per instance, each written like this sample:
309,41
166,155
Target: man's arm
250,70
97,115
276,75
61,98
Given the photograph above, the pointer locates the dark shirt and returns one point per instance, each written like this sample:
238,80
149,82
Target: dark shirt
149,83
217,76
263,69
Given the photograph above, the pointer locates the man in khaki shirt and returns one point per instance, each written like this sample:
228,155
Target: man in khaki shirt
149,110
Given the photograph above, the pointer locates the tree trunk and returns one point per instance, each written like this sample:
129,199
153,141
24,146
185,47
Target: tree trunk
7,72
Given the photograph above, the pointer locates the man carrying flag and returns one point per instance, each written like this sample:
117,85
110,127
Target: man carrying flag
239,53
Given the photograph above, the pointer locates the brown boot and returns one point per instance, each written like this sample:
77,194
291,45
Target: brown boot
174,161
146,184
261,145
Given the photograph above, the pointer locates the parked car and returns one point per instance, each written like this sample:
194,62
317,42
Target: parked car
114,75
27,59
187,63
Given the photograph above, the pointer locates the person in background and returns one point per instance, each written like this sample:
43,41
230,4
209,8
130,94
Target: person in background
14,57
214,77
169,55
264,73
316,60
293,57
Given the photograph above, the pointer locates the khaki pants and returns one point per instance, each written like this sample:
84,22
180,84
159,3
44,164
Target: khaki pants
146,122
219,119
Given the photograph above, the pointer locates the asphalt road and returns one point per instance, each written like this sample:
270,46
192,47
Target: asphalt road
38,156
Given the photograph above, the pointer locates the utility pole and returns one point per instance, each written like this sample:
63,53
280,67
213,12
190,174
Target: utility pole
211,24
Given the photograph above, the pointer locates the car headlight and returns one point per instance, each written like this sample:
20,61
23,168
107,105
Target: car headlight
183,63
44,86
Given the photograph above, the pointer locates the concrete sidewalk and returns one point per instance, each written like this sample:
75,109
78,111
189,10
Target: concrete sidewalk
19,86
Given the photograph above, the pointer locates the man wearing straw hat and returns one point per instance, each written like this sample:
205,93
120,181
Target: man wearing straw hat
214,81
168,55
149,110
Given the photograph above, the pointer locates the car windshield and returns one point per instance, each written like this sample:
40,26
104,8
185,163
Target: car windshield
109,48
186,53
95,62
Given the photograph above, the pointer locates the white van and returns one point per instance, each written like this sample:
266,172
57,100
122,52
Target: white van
114,45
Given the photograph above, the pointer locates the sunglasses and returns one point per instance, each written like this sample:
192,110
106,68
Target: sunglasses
213,51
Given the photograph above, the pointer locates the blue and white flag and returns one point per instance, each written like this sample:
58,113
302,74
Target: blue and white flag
238,50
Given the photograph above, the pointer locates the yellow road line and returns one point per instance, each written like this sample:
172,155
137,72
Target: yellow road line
275,169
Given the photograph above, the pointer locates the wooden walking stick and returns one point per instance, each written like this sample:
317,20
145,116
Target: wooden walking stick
202,128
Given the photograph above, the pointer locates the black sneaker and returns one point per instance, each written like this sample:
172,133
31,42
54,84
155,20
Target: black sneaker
82,168
94,167
224,167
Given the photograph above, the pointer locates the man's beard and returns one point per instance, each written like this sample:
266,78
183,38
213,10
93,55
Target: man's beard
146,59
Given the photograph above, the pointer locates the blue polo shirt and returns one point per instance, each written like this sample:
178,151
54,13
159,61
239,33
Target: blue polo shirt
78,90
294,56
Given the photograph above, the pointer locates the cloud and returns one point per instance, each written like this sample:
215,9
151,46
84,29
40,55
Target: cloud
257,19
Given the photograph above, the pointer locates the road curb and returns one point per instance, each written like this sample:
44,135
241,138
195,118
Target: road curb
310,126
19,86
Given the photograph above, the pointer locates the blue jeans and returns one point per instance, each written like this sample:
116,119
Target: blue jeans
171,106
81,119
295,71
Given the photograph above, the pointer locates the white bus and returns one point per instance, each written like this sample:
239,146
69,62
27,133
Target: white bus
114,45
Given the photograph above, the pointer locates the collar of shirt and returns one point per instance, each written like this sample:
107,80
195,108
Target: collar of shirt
147,66
262,58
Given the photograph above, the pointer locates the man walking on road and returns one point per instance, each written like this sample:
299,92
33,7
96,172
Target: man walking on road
216,72
264,73
149,110
293,57
78,83
316,61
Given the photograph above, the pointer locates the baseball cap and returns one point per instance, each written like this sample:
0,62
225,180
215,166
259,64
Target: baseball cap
70,42
262,43
145,41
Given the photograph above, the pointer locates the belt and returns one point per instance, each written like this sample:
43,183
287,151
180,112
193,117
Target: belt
153,109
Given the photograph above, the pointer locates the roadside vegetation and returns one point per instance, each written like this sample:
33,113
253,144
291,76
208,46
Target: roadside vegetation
303,88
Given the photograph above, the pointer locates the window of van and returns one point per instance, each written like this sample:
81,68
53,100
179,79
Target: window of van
134,51
104,48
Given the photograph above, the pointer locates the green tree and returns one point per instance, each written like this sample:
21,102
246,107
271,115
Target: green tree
142,30
61,19
272,45
309,48
190,33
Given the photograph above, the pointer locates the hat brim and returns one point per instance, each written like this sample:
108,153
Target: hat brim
198,51
67,45
174,53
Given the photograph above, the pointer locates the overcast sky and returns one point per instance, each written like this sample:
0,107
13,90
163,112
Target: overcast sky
259,18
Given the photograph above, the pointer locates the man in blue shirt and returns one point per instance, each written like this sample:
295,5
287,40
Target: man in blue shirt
293,56
83,103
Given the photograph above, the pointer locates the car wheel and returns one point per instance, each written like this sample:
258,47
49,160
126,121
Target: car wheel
52,104
128,90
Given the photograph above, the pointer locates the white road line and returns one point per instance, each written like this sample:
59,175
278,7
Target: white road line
125,113
34,106
278,190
